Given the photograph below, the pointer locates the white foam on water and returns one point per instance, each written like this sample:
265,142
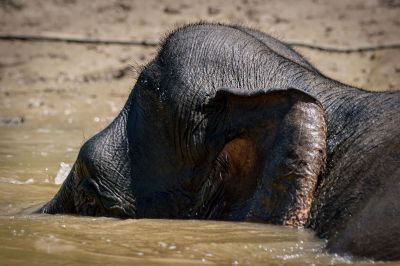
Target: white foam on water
62,173
16,181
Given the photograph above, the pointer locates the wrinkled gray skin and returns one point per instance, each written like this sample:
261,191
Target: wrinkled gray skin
210,86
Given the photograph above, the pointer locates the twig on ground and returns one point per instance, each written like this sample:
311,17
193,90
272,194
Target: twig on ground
84,40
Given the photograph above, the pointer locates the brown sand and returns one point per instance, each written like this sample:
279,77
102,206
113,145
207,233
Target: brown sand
87,84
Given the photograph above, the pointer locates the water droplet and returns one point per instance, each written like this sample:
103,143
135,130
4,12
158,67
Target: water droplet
162,244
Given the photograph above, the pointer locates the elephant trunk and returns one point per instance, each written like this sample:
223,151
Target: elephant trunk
63,201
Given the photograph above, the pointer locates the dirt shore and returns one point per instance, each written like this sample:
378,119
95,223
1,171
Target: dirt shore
86,84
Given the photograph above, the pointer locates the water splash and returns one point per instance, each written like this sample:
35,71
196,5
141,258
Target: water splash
62,173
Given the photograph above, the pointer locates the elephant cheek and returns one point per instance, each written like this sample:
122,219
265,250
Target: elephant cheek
63,201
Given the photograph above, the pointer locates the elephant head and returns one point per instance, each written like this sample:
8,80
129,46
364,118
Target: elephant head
238,156
189,145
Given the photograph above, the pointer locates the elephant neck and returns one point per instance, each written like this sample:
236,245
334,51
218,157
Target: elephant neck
330,93
342,105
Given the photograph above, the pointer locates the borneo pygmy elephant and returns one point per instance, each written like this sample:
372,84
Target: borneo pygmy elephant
229,123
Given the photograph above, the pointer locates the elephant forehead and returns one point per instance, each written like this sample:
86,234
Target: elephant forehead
198,47
196,61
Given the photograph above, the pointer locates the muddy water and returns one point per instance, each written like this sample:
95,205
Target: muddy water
30,156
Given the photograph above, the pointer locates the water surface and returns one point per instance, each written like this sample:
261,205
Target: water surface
30,156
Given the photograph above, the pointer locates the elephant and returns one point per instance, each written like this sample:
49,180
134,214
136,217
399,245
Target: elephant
228,123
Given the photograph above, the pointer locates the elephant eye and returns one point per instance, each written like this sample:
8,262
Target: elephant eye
87,201
90,199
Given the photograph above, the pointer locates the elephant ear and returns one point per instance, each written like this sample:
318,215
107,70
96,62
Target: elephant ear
272,146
